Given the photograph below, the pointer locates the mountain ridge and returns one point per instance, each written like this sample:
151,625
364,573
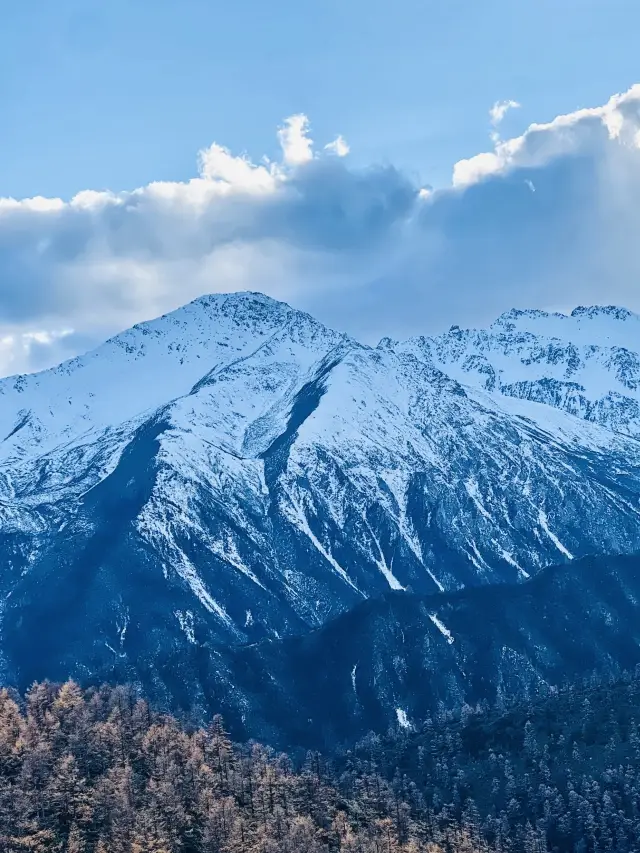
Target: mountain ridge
236,471
402,658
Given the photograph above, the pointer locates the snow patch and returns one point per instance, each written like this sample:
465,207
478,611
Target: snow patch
471,486
403,720
300,520
122,628
509,558
381,563
542,517
185,618
446,633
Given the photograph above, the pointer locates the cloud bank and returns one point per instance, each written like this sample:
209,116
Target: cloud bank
548,219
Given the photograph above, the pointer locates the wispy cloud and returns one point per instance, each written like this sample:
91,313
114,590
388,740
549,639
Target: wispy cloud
499,110
497,113
339,146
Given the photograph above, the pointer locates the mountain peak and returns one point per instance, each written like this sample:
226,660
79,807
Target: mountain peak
156,362
518,315
242,307
238,299
239,312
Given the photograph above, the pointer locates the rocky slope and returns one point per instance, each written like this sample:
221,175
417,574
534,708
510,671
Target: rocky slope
236,471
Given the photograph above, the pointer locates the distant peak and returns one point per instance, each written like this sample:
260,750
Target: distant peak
387,343
517,313
602,311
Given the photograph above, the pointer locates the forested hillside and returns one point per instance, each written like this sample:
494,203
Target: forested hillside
99,770
558,773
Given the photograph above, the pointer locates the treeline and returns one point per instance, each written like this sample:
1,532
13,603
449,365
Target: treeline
561,773
98,770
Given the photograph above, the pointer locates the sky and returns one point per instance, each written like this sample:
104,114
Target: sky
391,167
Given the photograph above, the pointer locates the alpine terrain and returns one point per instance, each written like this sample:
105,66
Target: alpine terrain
235,472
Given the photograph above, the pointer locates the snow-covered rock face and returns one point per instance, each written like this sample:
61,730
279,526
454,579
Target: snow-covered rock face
586,363
154,363
236,471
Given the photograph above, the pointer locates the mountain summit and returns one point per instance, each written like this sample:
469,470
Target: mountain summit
235,471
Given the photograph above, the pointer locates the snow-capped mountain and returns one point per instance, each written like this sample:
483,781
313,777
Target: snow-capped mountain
236,471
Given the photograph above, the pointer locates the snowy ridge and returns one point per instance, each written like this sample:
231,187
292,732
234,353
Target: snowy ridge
236,457
150,365
586,363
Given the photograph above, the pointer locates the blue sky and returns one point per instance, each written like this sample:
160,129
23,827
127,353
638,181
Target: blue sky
339,155
112,94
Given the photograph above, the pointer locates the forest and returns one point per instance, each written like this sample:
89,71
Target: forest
99,770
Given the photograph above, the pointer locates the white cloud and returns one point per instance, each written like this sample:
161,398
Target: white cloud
105,260
218,165
564,135
471,171
37,204
297,147
90,199
19,350
550,217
